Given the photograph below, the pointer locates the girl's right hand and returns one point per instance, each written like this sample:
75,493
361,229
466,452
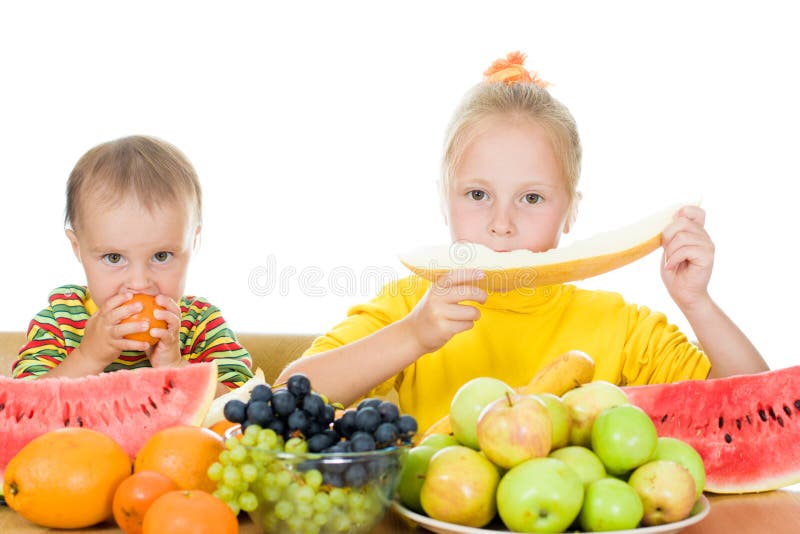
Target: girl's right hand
441,313
104,336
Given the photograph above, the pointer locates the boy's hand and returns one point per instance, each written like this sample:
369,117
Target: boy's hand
104,336
440,314
167,352
688,257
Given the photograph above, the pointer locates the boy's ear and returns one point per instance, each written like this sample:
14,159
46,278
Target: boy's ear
573,212
73,240
196,238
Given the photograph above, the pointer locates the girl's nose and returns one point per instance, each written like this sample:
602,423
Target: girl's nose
502,222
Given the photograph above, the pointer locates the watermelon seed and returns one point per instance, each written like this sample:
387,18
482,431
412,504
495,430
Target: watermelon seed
144,409
720,421
763,415
80,421
2,406
19,417
152,403
797,405
787,411
749,422
738,424
66,422
664,417
170,383
728,438
771,412
780,420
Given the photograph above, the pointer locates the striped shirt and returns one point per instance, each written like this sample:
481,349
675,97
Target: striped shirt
58,329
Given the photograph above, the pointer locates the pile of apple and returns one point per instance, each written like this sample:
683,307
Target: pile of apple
587,460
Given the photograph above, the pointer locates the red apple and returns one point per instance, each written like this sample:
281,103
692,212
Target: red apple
460,487
513,429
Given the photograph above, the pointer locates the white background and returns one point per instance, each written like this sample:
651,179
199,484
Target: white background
316,131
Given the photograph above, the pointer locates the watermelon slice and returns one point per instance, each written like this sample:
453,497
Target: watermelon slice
128,406
746,428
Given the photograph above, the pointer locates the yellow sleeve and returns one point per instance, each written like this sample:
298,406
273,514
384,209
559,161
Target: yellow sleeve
656,352
395,300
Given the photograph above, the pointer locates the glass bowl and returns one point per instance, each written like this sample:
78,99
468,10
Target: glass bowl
319,493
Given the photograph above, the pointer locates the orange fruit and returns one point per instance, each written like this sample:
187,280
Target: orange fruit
183,453
195,511
135,495
148,305
221,427
66,478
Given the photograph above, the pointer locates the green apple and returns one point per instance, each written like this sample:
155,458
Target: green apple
467,404
623,437
539,495
610,504
583,461
559,417
460,487
513,429
413,475
683,453
666,489
439,441
585,402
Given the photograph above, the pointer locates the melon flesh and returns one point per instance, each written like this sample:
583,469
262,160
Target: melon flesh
746,428
522,268
128,406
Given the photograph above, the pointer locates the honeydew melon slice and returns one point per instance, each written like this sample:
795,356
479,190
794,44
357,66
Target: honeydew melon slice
581,259
216,411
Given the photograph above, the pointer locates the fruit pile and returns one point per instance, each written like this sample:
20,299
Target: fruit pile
587,460
296,467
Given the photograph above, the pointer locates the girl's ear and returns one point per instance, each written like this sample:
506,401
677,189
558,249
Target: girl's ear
573,212
73,240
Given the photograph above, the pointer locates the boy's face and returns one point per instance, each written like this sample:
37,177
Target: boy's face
125,247
508,191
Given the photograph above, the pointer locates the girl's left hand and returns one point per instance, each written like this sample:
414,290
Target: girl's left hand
688,257
167,352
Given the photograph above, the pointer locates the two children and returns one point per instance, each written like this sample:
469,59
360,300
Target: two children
133,217
510,171
509,181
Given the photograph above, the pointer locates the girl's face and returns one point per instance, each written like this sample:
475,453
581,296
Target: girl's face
508,191
125,247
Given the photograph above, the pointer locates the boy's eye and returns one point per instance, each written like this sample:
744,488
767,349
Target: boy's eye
532,198
112,258
161,257
477,194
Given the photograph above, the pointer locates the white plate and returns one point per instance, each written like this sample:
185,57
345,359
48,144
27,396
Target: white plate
449,528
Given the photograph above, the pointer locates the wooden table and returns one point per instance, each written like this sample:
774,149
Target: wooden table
774,512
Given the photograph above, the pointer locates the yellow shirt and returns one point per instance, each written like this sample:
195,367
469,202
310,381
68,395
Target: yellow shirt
517,334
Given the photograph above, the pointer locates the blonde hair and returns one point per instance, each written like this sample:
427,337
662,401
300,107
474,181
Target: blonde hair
521,101
152,170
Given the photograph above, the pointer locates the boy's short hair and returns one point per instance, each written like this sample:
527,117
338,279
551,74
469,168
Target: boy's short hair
151,169
519,101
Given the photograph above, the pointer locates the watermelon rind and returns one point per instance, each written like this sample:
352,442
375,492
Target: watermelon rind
746,428
128,406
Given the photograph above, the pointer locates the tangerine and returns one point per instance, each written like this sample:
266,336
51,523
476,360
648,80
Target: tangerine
195,511
148,306
66,478
183,453
135,495
222,427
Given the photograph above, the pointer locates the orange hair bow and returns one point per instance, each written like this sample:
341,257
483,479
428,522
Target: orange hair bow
511,70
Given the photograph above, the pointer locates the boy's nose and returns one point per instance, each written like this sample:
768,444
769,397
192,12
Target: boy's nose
139,279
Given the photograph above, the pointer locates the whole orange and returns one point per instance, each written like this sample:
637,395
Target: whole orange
187,511
183,453
148,306
66,478
135,495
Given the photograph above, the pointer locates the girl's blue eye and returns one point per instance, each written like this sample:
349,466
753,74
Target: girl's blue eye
161,257
477,194
113,258
532,198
